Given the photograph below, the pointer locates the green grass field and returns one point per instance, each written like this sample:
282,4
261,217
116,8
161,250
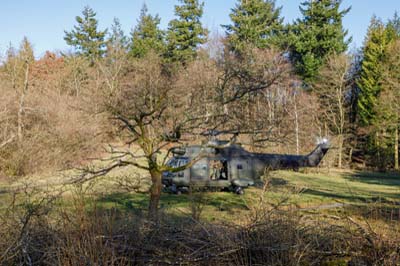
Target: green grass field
295,190
309,190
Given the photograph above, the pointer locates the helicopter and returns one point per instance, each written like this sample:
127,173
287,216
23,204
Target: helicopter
224,166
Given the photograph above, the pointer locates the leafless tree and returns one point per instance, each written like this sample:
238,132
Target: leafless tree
155,109
332,88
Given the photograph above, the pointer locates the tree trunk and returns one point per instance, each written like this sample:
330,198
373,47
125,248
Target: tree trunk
21,108
396,149
296,116
340,151
155,193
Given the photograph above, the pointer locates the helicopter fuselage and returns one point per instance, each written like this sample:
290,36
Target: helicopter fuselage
231,167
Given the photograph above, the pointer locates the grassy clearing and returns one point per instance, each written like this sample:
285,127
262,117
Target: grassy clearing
345,186
304,190
100,222
293,190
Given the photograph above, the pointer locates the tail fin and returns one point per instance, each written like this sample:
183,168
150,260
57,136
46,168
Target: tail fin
315,157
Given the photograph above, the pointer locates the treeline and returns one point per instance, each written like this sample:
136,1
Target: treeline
265,84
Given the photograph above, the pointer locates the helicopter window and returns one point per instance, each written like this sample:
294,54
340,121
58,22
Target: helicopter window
239,167
177,162
182,162
172,162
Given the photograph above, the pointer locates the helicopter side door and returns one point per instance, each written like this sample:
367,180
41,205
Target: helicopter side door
218,173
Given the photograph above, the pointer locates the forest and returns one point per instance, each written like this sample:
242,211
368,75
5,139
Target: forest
109,111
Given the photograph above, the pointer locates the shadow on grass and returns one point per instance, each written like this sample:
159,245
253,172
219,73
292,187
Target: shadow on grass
383,198
135,202
334,195
374,178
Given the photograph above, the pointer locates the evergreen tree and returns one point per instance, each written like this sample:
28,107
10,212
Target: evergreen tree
147,36
369,82
117,41
387,108
186,32
85,36
255,22
394,25
319,33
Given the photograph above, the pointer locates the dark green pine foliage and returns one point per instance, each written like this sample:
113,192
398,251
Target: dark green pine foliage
319,33
185,33
85,37
254,22
147,36
370,80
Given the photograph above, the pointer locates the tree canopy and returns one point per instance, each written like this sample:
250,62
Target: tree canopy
316,35
185,33
86,38
147,36
254,22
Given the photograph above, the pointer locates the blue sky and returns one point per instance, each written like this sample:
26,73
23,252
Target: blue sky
44,21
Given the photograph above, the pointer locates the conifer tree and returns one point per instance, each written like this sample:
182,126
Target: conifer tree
85,37
388,106
394,25
319,33
186,32
370,80
147,36
254,22
117,41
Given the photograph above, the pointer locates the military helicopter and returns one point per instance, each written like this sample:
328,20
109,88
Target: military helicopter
225,166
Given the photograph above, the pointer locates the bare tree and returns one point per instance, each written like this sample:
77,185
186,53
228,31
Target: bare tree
149,113
17,68
153,108
249,94
332,88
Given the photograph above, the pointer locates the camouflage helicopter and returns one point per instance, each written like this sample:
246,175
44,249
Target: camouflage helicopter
221,165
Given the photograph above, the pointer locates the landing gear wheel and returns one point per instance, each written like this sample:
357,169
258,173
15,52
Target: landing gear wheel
239,190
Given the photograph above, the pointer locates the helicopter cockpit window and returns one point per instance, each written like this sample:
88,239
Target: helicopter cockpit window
172,162
183,161
178,162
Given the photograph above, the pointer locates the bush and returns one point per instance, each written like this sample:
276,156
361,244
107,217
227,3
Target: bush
40,232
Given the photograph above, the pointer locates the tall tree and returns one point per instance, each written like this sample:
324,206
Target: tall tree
18,68
186,32
114,64
85,37
332,87
319,33
117,41
394,24
147,35
255,22
370,79
388,105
